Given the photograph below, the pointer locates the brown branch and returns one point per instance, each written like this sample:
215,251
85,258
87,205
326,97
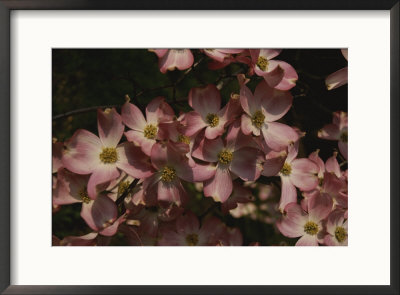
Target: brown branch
83,110
126,192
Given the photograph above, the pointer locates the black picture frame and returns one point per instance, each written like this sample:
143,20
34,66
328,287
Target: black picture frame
9,5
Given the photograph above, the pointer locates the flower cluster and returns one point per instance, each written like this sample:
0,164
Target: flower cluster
137,176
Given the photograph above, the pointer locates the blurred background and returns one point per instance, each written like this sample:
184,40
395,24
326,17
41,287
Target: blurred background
83,79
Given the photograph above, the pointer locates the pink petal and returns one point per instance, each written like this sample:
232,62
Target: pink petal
159,111
249,104
317,160
307,240
176,58
289,78
101,174
194,123
248,127
337,79
133,161
205,100
292,224
215,54
159,52
276,105
273,164
99,213
213,132
332,165
330,131
159,155
319,207
278,136
304,174
208,150
219,187
138,138
171,192
244,164
109,124
68,187
86,240
274,74
82,152
197,173
270,53
288,193
133,117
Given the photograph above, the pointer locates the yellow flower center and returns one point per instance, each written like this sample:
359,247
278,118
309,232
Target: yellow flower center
123,186
311,228
212,120
150,131
340,234
343,136
109,155
225,157
262,63
286,169
184,139
83,194
168,174
192,239
258,119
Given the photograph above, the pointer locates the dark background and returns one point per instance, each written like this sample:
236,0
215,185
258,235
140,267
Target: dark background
85,78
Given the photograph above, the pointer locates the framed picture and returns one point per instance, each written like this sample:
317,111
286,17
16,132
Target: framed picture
123,135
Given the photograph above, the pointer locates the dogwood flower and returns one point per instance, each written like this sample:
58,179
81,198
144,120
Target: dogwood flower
306,225
237,157
102,157
207,113
261,110
301,173
144,131
278,74
337,229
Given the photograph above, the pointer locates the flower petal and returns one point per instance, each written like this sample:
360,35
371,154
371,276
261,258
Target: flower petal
337,79
133,117
278,136
205,100
220,186
102,174
82,152
109,124
159,111
133,161
99,213
244,164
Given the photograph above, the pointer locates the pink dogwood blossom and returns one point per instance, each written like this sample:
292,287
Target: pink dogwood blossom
278,74
262,110
237,157
144,131
306,225
206,102
102,157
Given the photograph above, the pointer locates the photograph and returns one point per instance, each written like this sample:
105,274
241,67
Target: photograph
199,147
